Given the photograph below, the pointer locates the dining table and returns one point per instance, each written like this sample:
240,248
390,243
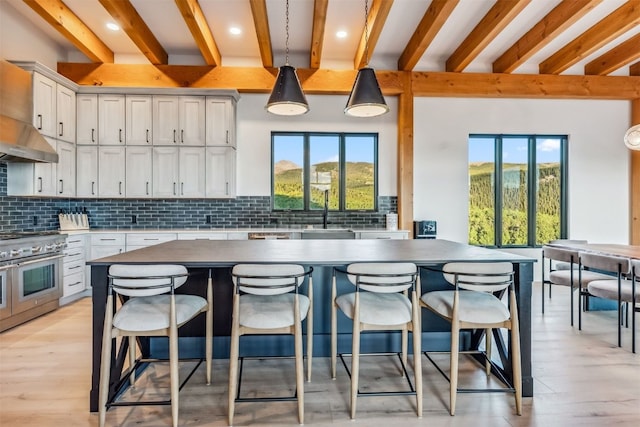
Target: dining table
215,258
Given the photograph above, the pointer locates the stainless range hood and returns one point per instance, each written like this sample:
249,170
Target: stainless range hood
20,141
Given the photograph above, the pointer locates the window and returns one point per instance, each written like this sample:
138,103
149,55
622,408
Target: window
517,189
305,165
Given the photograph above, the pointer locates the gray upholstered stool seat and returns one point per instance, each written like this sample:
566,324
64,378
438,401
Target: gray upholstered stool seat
474,307
150,313
270,311
377,309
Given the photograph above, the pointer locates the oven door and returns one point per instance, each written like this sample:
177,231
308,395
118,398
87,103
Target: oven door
36,282
5,291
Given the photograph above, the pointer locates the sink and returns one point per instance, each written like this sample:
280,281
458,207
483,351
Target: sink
327,233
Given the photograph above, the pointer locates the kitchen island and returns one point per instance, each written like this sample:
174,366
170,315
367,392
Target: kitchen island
216,257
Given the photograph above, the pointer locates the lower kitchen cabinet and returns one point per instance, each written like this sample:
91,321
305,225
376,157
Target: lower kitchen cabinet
74,269
107,244
142,240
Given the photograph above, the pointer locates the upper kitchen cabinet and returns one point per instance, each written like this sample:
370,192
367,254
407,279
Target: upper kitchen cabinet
87,119
54,108
139,172
138,120
221,121
178,172
65,114
66,169
111,172
221,172
86,171
111,119
179,120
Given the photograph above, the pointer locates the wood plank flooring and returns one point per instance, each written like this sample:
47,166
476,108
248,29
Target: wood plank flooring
581,379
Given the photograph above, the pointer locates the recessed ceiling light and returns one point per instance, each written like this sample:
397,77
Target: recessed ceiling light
112,26
341,34
235,31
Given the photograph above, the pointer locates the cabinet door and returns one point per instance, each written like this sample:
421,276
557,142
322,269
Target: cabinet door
105,251
66,114
44,175
138,120
86,171
111,171
165,120
220,172
111,120
221,122
44,105
87,119
66,169
192,167
192,120
165,171
138,172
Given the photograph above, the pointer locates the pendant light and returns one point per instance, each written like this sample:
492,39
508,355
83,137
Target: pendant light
366,99
632,137
287,98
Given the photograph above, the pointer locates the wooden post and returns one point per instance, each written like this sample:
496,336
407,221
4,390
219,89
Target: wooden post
405,155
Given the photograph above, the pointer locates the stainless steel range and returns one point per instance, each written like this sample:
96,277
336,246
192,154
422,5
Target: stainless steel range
30,275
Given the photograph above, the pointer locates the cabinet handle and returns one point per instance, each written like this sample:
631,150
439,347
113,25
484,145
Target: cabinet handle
174,136
75,284
61,126
74,267
104,239
182,136
40,182
93,184
174,188
182,188
227,137
147,187
226,186
39,121
147,136
93,139
120,135
61,186
120,188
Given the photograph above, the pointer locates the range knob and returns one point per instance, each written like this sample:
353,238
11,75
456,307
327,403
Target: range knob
4,254
15,252
36,249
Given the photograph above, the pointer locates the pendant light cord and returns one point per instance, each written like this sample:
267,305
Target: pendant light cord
366,33
286,42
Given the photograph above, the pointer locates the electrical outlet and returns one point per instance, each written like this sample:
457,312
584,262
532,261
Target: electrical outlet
134,219
207,219
35,220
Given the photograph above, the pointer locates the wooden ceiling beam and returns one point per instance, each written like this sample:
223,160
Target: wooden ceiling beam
260,80
317,32
548,28
197,23
616,58
261,23
132,23
67,23
496,19
634,69
375,23
612,26
434,18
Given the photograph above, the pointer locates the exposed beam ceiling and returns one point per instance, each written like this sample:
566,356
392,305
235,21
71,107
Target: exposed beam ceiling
197,23
317,33
261,22
375,20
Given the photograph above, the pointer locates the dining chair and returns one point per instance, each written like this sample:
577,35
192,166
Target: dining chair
619,287
150,307
476,303
385,299
266,300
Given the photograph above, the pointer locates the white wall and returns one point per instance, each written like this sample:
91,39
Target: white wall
255,125
598,160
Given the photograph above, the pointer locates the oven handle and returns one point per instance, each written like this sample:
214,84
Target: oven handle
6,267
40,260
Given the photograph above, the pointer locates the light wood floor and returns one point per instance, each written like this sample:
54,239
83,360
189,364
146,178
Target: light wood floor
581,378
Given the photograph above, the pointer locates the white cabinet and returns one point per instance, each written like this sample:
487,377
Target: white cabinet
221,121
374,234
214,235
106,244
111,172
74,272
138,120
220,172
179,120
178,172
66,169
44,176
87,119
142,240
111,119
65,114
44,104
139,172
86,171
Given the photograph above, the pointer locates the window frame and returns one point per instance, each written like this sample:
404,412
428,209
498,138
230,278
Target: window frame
342,145
531,185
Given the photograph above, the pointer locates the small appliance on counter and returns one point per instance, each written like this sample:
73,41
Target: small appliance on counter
424,229
73,220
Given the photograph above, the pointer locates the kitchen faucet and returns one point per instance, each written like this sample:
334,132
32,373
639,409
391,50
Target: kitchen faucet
325,212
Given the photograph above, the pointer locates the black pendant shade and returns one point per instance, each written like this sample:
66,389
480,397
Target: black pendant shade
366,98
287,98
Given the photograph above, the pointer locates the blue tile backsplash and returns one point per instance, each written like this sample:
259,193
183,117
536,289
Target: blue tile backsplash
41,214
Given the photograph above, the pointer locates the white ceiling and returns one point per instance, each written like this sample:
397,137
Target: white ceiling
168,26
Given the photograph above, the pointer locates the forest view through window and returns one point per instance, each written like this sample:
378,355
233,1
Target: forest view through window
306,165
517,189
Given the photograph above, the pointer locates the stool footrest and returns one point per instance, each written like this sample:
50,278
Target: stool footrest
410,392
262,399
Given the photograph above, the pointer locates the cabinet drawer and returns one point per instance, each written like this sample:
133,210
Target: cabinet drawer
75,242
383,235
73,284
148,239
74,267
202,236
112,239
73,255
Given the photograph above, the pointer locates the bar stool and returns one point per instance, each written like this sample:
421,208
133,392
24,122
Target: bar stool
266,301
476,304
150,308
380,303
